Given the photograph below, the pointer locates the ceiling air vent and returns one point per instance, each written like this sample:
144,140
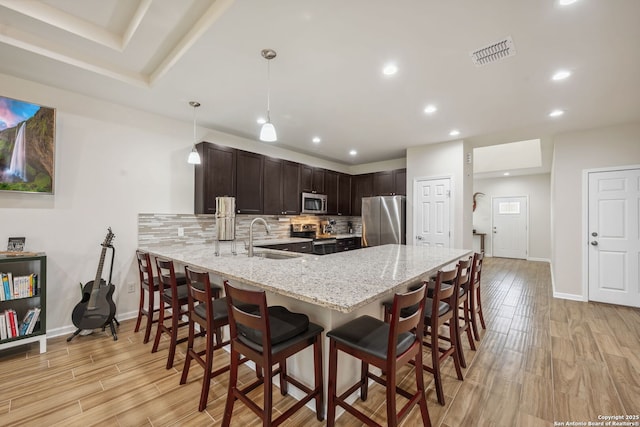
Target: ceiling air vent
493,52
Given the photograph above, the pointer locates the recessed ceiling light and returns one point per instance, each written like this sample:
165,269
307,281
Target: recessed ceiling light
390,69
556,113
316,140
430,109
454,132
566,2
506,174
353,152
561,75
261,120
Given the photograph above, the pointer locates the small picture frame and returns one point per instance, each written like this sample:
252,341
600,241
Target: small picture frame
16,244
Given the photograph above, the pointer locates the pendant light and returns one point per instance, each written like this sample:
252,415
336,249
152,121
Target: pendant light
194,157
268,131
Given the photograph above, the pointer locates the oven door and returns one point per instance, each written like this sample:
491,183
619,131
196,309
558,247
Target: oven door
325,247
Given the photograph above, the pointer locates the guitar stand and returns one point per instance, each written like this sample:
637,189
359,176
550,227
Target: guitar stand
113,322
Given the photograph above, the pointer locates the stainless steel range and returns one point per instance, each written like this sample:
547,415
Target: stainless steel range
323,244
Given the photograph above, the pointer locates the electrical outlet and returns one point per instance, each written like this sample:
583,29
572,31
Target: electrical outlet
180,231
132,287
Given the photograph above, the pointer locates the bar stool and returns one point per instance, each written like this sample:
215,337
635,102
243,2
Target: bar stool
268,336
149,284
175,299
386,346
439,311
210,314
464,286
475,300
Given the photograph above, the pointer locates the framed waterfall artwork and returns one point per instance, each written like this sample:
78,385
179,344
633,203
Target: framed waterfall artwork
27,142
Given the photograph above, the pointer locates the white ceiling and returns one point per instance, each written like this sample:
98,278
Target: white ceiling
156,55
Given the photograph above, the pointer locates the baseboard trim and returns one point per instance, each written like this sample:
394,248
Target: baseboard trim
572,297
547,260
69,329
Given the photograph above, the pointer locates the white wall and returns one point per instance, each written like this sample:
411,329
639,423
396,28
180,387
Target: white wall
537,188
444,160
111,163
573,153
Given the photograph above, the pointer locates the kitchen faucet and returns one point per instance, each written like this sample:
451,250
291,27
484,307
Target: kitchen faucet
266,226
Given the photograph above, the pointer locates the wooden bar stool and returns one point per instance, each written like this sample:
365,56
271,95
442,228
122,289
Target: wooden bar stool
268,336
149,285
386,346
210,314
441,310
475,300
463,322
175,299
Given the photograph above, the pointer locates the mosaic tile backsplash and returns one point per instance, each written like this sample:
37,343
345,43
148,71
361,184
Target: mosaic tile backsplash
161,229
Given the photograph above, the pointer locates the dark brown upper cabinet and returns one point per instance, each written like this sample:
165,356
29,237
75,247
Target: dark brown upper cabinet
362,186
344,194
400,182
311,179
331,190
215,176
390,183
317,185
249,185
280,181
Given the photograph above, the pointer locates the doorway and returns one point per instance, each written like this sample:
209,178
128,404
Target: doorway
510,234
432,216
613,236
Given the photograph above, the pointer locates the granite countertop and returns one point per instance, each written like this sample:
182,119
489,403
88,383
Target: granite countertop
343,281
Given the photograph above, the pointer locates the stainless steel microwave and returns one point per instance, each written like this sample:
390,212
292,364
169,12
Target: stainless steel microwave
313,203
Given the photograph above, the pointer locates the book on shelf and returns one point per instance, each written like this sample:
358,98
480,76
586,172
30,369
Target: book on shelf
14,287
11,320
8,294
3,326
34,320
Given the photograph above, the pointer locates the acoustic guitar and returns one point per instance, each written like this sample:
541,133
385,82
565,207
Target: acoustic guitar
97,307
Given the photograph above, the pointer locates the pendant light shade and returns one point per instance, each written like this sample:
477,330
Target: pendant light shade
194,157
268,130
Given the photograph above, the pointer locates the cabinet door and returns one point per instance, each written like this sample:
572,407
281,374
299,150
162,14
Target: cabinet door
249,182
290,191
400,182
331,190
362,186
344,194
318,180
272,182
214,177
383,184
306,178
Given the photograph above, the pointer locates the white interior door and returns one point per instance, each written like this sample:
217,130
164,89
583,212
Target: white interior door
614,237
432,212
509,237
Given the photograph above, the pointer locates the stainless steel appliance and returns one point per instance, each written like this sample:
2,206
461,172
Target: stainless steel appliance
313,203
225,218
383,220
323,244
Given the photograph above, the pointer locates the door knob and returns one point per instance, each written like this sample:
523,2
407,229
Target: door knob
594,243
594,234
418,237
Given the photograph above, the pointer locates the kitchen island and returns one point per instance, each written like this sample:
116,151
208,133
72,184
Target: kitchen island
342,282
330,289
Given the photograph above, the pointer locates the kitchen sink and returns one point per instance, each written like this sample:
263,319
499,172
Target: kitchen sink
273,255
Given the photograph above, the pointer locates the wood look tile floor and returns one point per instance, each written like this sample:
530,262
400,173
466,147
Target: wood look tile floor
540,360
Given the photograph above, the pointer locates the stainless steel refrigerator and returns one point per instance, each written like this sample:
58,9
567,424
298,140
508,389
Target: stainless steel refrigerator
383,220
